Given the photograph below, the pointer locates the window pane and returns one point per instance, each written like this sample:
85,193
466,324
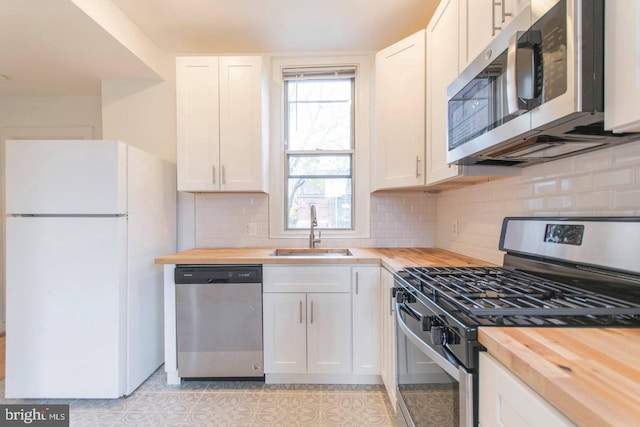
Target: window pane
319,114
319,164
332,197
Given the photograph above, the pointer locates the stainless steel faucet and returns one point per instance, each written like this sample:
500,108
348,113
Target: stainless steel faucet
313,220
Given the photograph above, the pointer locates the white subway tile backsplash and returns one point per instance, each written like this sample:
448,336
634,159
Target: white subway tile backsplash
594,200
577,183
533,204
626,153
545,187
627,199
558,203
397,219
601,183
598,160
613,178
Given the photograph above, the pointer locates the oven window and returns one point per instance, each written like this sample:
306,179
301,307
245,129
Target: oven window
428,393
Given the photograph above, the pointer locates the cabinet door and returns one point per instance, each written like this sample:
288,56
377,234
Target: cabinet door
197,123
481,21
388,336
285,341
442,69
366,320
506,401
328,333
400,96
241,124
622,66
478,28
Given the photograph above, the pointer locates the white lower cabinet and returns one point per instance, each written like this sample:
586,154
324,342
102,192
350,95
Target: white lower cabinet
506,401
366,320
305,333
285,333
387,335
320,323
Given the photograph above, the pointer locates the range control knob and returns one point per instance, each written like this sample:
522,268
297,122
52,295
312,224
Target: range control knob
428,322
437,335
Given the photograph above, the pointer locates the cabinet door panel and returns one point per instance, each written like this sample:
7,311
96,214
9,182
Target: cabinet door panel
366,320
285,333
400,82
388,336
329,333
241,123
197,123
622,66
442,69
505,401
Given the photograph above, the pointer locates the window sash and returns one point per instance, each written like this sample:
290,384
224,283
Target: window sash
327,73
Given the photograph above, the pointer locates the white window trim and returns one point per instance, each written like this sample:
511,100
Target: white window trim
362,145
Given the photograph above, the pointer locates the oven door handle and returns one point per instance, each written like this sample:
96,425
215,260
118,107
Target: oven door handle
446,365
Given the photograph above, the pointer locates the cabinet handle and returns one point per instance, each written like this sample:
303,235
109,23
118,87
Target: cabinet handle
357,283
213,173
300,311
224,175
417,166
391,302
311,312
493,18
504,11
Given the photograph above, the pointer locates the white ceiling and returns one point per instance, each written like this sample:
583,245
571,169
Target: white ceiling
251,26
51,47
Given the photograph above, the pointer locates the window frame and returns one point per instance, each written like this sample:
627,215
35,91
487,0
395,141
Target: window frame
361,145
288,153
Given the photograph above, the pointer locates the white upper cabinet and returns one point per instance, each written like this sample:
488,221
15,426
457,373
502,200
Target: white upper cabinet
221,127
442,69
400,114
622,66
481,21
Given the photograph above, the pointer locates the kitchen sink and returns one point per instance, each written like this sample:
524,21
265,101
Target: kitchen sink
315,252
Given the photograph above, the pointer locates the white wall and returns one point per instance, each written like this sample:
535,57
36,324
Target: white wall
142,114
601,183
52,111
397,220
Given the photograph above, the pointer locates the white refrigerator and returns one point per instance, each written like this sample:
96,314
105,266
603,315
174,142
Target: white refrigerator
84,300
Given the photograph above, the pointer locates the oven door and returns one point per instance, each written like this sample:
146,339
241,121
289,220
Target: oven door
433,388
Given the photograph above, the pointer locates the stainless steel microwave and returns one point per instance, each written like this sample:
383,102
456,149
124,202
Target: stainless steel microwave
537,92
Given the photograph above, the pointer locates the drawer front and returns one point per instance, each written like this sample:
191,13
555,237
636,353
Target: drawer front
306,278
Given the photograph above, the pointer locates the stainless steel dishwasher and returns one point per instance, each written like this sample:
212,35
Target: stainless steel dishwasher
219,321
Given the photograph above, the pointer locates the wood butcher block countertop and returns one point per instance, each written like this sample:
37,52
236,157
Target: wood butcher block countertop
592,375
393,259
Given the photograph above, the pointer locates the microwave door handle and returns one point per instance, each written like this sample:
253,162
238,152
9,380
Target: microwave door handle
514,107
521,66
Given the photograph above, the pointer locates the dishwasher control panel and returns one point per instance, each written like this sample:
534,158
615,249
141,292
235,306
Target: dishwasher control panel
191,274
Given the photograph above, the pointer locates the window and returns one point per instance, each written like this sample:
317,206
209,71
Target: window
319,147
320,144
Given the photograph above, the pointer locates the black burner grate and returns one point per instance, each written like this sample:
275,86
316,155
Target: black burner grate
508,296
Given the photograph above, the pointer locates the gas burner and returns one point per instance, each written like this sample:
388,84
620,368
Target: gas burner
506,296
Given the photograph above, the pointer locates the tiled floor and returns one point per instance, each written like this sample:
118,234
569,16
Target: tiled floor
213,403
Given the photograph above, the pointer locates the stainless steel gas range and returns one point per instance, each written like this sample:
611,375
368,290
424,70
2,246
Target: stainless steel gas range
557,272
